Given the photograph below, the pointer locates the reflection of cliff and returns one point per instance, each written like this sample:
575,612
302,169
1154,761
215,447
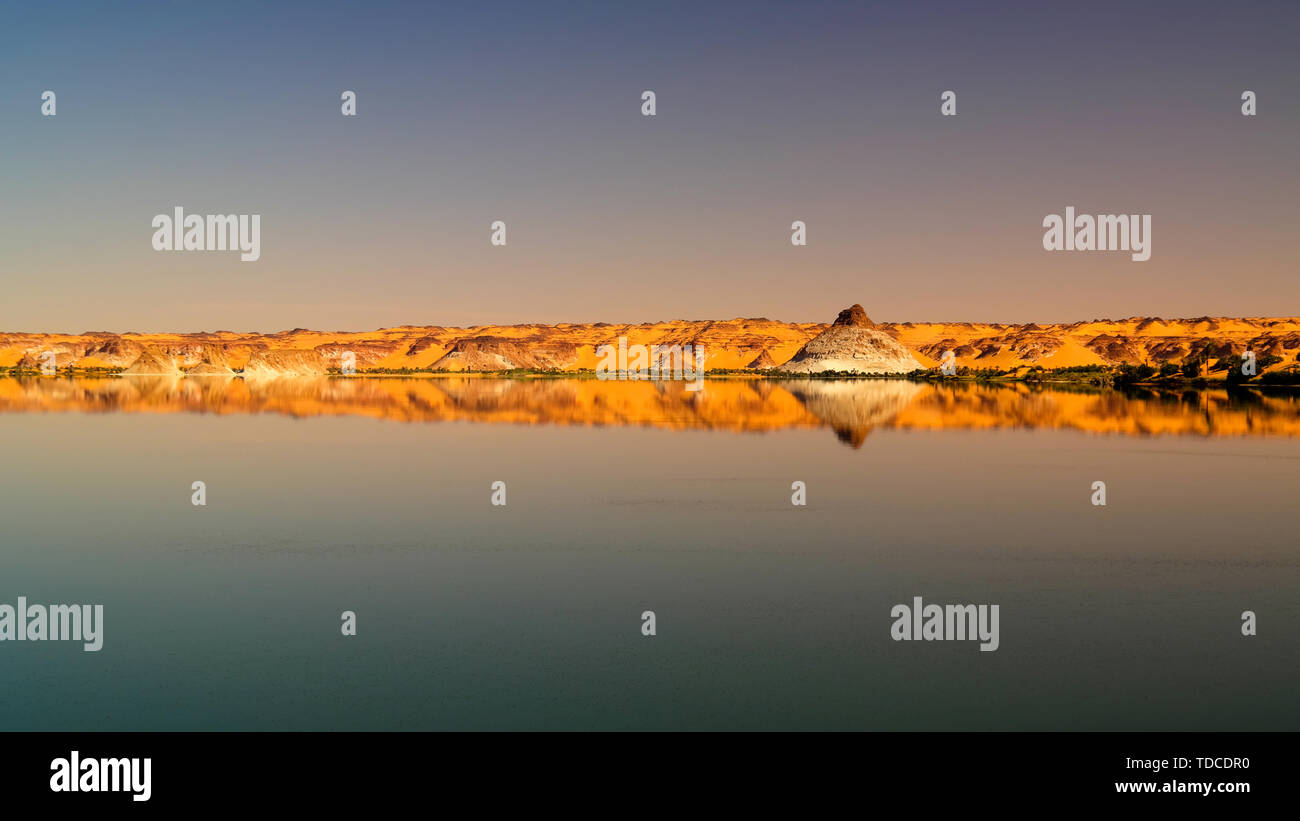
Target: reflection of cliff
725,405
1143,413
851,408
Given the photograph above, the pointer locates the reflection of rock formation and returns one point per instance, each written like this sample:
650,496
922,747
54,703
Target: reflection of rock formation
852,345
214,390
157,387
853,408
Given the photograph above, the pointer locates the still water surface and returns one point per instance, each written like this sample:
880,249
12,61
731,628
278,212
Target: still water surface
372,495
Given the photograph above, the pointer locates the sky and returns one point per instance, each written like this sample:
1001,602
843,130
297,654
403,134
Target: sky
530,113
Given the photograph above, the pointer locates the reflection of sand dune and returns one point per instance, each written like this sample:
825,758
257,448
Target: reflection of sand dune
852,408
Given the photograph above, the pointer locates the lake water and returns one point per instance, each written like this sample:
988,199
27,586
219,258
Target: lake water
373,495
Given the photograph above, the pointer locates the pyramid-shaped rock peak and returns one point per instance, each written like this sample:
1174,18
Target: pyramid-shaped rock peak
854,317
762,361
853,345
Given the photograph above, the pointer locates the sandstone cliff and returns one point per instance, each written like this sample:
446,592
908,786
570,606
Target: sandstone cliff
728,344
153,362
285,363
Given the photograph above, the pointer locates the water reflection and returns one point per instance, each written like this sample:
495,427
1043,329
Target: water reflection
850,408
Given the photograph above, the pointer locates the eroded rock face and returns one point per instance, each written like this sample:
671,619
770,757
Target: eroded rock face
727,343
153,362
854,317
494,354
114,351
213,361
852,344
285,363
365,355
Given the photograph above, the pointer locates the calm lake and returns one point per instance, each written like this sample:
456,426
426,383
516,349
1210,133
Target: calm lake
374,496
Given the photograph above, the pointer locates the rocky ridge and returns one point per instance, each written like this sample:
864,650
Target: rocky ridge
736,344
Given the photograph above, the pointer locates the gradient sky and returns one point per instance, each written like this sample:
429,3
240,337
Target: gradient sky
530,113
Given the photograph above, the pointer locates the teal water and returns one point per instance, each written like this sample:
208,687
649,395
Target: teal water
471,616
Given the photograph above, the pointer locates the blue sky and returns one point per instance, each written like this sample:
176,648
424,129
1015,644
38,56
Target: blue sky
530,113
